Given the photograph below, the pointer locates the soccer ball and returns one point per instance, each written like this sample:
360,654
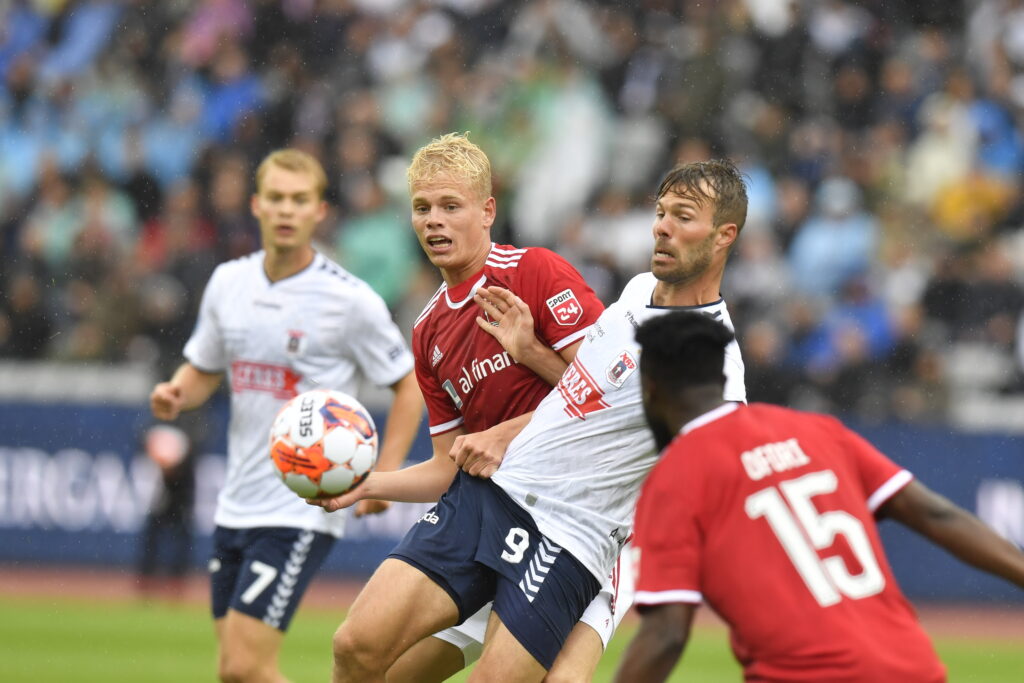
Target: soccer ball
323,443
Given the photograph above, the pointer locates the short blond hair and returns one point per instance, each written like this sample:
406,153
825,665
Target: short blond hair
297,161
454,155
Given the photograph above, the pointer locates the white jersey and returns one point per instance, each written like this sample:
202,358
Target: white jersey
319,328
577,467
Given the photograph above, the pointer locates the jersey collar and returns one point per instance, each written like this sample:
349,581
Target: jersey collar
314,263
710,416
698,307
461,294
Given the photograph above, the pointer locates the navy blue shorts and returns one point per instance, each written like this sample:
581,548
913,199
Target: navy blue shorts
263,572
479,545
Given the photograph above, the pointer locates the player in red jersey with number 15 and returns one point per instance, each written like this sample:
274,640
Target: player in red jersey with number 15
768,515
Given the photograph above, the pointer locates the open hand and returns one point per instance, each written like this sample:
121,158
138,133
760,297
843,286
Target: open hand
507,318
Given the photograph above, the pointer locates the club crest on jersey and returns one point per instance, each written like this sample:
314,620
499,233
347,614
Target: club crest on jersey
621,368
296,342
565,307
436,357
581,393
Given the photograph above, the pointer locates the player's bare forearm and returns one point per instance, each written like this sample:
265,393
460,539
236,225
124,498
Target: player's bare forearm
422,483
188,389
549,364
657,645
955,529
402,423
545,362
197,386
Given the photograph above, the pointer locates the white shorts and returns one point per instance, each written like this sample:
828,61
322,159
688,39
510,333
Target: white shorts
469,635
603,615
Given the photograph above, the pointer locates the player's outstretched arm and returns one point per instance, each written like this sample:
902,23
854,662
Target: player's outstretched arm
403,421
480,454
958,531
658,643
189,388
510,321
422,483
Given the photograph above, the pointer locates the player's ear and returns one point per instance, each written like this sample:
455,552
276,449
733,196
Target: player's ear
727,234
254,205
490,211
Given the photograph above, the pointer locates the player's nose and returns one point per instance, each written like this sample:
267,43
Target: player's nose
660,228
435,218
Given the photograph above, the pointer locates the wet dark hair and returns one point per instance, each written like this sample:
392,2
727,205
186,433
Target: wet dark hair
717,181
683,348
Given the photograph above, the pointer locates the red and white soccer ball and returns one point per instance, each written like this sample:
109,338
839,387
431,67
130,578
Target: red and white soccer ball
323,443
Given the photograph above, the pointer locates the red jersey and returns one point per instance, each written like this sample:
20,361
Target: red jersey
768,515
466,377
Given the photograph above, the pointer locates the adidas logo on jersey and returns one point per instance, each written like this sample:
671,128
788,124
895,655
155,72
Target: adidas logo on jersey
435,357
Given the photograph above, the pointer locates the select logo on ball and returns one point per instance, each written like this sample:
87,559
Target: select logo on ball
323,443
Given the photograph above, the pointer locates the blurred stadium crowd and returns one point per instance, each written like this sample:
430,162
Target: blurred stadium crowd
879,275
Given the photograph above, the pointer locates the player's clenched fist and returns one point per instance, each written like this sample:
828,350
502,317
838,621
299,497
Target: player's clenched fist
166,400
479,454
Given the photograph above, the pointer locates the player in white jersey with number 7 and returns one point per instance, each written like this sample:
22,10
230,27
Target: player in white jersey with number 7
276,323
540,535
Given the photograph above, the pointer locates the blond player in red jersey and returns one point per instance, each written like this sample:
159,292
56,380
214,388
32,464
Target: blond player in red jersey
476,371
484,356
768,515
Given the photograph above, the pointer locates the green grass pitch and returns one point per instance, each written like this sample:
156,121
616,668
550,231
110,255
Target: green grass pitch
46,640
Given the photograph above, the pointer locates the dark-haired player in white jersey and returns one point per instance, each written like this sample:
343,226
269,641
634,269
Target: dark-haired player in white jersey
279,322
538,537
